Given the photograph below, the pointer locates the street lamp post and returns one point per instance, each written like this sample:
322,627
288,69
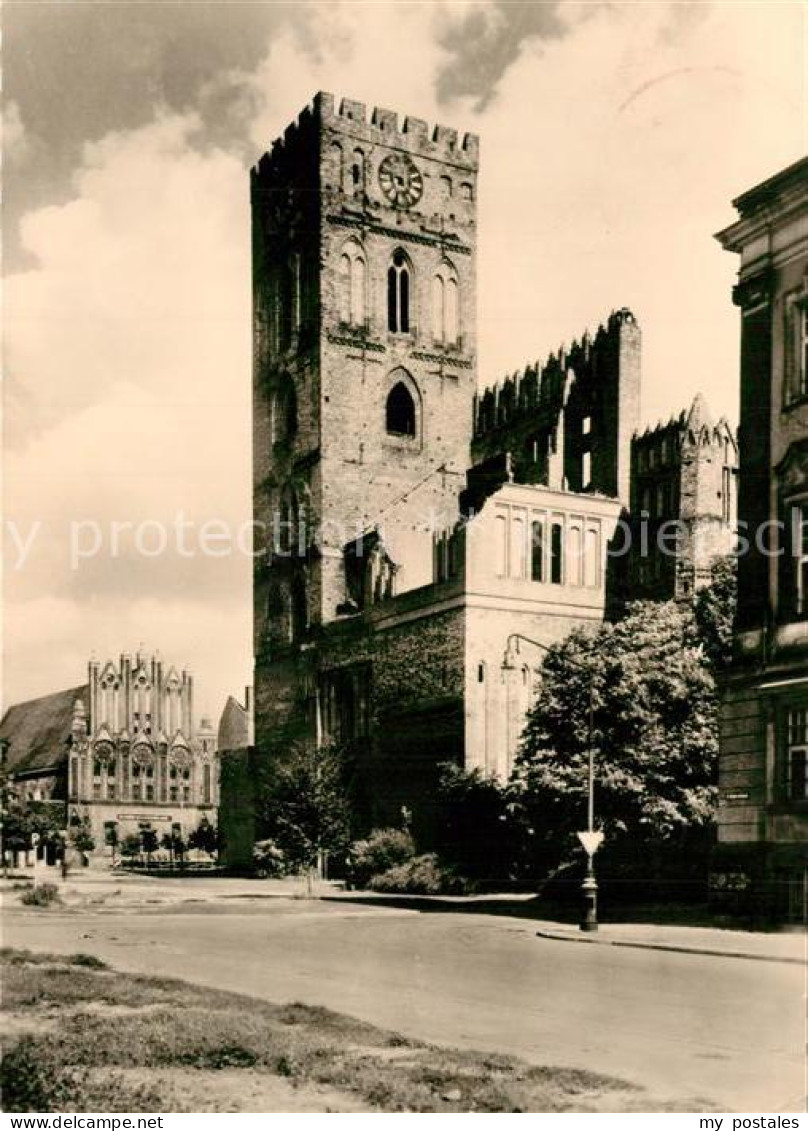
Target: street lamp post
591,838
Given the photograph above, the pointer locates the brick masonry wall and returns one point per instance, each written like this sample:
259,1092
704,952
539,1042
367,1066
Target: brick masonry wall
237,809
598,378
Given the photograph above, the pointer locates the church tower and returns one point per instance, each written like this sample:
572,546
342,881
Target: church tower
364,247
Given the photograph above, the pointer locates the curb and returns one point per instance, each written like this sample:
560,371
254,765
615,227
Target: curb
672,947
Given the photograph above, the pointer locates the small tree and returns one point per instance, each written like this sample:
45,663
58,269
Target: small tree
16,826
23,819
150,843
178,847
167,845
204,838
715,608
131,846
111,838
306,809
82,839
175,846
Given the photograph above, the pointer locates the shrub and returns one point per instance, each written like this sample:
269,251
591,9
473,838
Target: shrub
32,1078
41,896
29,1082
130,845
423,875
382,850
269,860
88,960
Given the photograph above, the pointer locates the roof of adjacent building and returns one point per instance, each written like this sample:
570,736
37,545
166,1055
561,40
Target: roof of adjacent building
234,726
767,191
38,730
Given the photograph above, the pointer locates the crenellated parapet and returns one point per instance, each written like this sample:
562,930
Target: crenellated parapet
542,388
380,127
672,440
683,472
567,422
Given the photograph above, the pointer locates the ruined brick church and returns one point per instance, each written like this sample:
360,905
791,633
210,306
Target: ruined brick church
425,539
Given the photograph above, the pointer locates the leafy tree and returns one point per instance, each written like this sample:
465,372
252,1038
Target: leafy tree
474,832
174,845
149,842
23,819
204,838
654,733
46,818
715,608
131,845
306,810
16,826
82,838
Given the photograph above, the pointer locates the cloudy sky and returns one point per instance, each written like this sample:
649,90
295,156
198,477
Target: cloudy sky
614,137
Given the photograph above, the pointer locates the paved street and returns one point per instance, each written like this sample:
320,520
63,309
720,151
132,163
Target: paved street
731,1031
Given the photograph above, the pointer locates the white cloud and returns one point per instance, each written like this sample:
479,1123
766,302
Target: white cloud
15,138
188,633
609,163
129,348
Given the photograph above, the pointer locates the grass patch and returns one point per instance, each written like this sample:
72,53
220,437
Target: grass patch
42,895
118,1038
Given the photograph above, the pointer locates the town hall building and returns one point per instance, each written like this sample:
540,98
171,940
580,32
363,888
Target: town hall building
119,753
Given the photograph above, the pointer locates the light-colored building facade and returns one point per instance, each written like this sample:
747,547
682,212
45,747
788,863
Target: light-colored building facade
122,752
763,807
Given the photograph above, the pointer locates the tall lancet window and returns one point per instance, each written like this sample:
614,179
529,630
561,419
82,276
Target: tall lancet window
336,165
399,280
446,305
352,270
358,170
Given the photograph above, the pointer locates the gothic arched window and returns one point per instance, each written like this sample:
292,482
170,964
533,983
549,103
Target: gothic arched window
556,554
288,522
358,169
537,550
296,296
286,287
398,294
336,165
445,304
400,414
352,270
299,608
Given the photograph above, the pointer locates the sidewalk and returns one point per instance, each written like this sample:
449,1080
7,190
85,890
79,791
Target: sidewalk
786,946
111,892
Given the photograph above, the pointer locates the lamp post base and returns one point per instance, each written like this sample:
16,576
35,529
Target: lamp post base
589,888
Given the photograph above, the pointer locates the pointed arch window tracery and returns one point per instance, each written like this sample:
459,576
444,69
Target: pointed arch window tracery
353,284
399,290
446,304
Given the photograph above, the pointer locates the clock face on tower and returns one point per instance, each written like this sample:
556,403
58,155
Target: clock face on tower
400,180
